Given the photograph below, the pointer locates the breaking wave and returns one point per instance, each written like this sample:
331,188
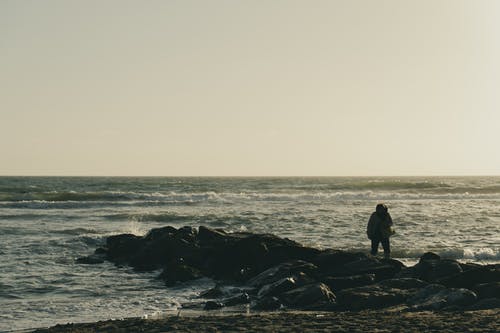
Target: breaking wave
487,254
89,200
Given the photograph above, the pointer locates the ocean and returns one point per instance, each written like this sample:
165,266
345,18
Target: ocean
48,222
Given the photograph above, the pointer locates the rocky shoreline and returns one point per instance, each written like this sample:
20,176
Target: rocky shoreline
265,273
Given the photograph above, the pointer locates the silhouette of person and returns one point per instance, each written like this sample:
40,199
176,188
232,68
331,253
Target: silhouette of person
379,230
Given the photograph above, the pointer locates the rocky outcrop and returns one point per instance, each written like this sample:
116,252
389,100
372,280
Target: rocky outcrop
436,297
371,297
266,272
431,268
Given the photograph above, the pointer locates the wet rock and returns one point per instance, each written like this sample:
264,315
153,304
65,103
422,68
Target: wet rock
215,292
242,298
212,237
179,273
157,234
288,251
284,270
444,298
487,290
431,270
165,247
91,260
212,305
236,256
280,271
371,297
121,247
268,304
188,234
404,283
469,266
398,265
485,304
344,282
425,293
239,256
331,258
101,251
317,294
278,287
382,270
470,278
221,291
429,256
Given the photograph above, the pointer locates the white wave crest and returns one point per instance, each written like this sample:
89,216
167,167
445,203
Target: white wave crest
484,253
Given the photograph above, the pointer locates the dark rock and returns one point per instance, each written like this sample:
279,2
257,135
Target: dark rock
122,247
371,297
461,297
398,265
403,283
317,294
344,282
485,304
452,299
425,293
239,256
163,245
243,298
284,270
431,270
215,292
281,271
278,287
287,251
212,237
469,266
156,234
179,273
101,251
212,305
222,291
487,290
334,258
188,234
268,304
470,278
91,260
382,270
429,256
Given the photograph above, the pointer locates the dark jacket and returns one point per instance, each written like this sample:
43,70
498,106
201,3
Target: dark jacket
379,226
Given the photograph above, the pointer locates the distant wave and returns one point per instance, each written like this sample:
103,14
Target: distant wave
158,217
201,190
211,220
172,199
68,196
75,231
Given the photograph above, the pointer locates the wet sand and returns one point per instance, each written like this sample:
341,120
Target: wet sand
362,322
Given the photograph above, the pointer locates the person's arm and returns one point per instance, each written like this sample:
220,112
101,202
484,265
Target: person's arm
370,228
389,220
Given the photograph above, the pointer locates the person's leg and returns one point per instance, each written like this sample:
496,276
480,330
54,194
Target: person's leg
387,247
375,243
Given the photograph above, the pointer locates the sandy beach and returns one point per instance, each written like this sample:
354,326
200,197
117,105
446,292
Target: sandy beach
364,321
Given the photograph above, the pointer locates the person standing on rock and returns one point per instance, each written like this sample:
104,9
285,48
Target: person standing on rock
379,230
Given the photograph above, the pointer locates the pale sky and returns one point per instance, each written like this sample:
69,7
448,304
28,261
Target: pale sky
250,88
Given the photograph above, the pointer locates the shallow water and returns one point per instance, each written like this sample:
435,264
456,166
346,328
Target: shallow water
47,222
